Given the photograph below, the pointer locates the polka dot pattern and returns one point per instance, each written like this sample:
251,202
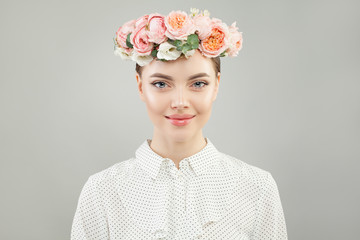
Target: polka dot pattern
211,196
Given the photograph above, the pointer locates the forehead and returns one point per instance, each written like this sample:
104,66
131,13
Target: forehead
180,67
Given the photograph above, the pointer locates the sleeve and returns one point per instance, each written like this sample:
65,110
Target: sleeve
90,220
270,219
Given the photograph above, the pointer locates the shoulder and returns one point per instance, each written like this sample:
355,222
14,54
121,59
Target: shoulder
111,175
246,172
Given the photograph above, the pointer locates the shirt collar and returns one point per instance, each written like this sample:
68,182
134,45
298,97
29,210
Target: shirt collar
151,162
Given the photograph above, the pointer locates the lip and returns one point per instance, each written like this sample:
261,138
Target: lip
180,120
180,116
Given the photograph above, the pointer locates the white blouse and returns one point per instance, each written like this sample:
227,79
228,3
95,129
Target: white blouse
211,196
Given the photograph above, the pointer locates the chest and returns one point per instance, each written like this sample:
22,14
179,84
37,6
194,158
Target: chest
181,210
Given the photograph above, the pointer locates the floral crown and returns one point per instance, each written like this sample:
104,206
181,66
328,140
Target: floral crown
168,37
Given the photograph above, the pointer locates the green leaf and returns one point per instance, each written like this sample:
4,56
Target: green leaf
222,54
171,41
195,45
192,39
154,53
128,43
186,47
178,43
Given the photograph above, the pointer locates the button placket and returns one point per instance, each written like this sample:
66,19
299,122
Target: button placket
180,176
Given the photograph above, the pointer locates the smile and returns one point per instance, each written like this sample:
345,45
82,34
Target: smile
180,122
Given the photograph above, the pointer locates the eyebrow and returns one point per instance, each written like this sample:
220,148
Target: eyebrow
160,75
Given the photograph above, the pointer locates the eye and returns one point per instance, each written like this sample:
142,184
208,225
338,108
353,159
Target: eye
155,84
198,85
204,84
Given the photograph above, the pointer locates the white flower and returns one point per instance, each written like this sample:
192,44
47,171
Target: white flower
122,53
206,13
141,60
167,51
194,11
226,54
189,53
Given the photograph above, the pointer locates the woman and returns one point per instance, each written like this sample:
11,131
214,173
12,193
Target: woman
178,185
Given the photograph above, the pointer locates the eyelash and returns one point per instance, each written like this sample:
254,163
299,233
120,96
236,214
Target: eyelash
204,84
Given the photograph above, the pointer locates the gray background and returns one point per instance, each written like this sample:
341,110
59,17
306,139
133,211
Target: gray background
289,104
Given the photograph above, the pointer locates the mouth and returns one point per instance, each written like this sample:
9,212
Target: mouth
180,121
180,118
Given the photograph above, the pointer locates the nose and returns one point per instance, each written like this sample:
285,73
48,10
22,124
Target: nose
180,99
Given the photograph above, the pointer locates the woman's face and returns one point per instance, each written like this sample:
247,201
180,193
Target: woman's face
183,86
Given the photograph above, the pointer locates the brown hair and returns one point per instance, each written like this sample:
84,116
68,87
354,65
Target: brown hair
215,61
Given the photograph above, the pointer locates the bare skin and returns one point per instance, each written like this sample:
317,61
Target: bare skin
178,96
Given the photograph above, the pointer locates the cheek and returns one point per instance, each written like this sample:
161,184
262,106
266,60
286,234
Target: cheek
203,103
156,103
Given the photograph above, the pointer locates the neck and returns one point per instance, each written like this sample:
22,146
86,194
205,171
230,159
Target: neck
177,149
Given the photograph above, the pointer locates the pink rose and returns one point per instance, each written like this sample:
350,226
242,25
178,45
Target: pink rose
179,25
157,28
235,40
122,33
218,41
139,37
202,26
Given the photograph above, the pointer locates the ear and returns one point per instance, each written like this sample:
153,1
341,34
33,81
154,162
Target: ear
140,86
217,83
